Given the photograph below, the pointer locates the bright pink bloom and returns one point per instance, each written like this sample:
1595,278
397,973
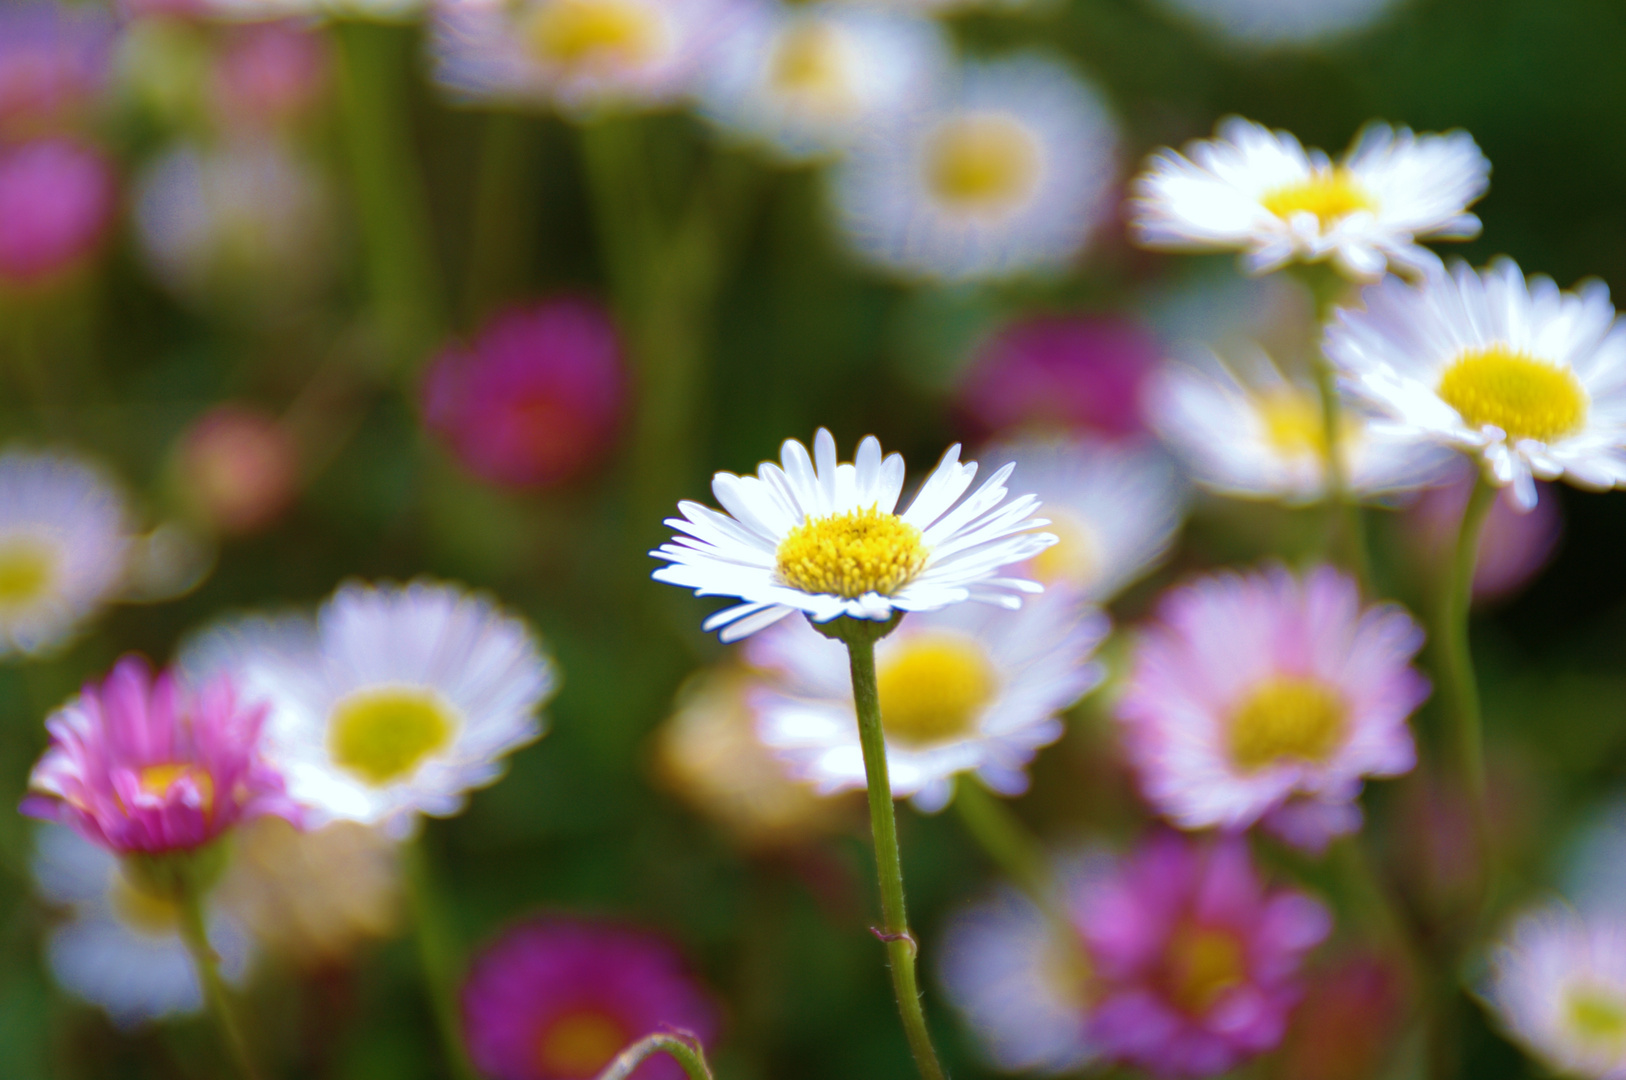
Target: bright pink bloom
1196,963
56,202
240,466
148,764
558,998
1513,548
269,73
53,61
535,399
1072,373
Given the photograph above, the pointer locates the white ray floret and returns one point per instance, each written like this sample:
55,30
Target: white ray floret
1258,191
811,535
1267,24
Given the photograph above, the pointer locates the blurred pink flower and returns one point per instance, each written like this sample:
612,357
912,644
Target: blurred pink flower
1514,547
267,74
240,468
1196,964
535,399
148,764
53,61
1068,372
558,998
56,202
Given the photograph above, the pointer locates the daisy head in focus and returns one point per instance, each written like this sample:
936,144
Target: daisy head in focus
1009,172
825,538
1248,430
968,689
397,700
1528,380
1269,698
1260,192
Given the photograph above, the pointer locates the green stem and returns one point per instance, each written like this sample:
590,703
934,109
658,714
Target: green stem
189,898
437,956
1346,528
685,1048
504,215
999,833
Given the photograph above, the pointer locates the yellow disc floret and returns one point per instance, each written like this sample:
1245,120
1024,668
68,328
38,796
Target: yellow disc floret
810,64
1076,556
1201,965
983,161
1329,194
384,734
28,566
1294,424
933,688
1287,718
156,780
577,33
579,1044
1598,1016
850,554
1526,397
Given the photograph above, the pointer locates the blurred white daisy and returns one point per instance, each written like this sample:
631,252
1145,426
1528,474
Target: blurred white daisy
1258,191
120,946
397,701
942,7
824,538
1558,985
1526,378
1276,23
811,80
1245,429
1009,172
64,547
965,689
1114,506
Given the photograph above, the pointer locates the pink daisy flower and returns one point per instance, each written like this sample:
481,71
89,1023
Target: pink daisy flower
1195,963
57,200
1270,697
146,763
558,998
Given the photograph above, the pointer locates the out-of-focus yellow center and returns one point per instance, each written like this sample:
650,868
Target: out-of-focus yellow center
1201,965
28,567
579,1045
1076,558
1329,194
1527,398
850,554
383,735
156,780
1294,425
1287,718
809,63
984,161
1598,1016
933,687
1064,970
140,909
577,33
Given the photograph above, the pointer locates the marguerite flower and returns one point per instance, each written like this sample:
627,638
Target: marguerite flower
1530,380
965,689
1558,985
397,701
1258,191
1009,172
813,536
1271,697
1247,430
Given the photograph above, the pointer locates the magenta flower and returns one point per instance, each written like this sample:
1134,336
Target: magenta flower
56,202
1056,372
53,61
558,998
1195,963
268,74
145,763
536,399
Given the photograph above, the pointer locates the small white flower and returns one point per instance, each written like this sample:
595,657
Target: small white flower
1010,172
1279,23
1558,984
397,701
121,946
966,689
809,81
824,538
64,547
1529,379
1260,192
1260,434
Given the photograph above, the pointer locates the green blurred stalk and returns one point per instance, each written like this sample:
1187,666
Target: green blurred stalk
689,1054
437,957
1002,835
504,214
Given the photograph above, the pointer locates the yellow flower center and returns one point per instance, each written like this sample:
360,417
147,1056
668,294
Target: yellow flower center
1527,398
1329,194
579,1044
983,161
1076,558
383,735
809,63
1598,1016
140,909
578,33
156,780
1294,425
1287,718
933,688
850,554
28,567
1201,965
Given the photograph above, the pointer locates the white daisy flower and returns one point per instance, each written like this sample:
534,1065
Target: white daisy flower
810,80
1114,506
1258,191
965,689
64,547
1281,23
1558,985
1009,172
121,946
397,701
1529,379
1247,430
813,536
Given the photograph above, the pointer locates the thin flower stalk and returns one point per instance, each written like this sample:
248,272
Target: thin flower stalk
437,959
684,1048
